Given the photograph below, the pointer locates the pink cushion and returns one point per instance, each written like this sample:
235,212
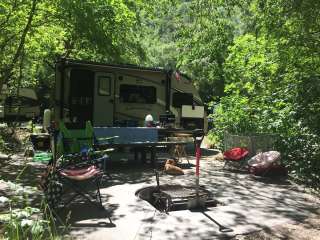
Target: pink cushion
77,171
80,173
264,160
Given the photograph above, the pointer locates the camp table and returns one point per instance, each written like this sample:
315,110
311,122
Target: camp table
142,146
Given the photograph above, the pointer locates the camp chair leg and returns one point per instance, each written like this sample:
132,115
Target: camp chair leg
225,164
153,156
240,163
53,214
98,195
243,163
188,161
106,176
80,192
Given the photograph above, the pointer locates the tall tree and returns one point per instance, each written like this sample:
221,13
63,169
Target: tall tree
203,45
91,29
14,31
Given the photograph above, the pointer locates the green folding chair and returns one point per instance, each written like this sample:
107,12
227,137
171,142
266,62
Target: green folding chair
78,167
74,143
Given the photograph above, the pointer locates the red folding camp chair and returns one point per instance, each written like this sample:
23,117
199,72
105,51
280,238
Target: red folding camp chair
235,155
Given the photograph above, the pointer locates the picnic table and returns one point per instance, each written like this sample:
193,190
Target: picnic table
143,147
142,140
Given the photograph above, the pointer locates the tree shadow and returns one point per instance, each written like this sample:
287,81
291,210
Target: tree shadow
247,204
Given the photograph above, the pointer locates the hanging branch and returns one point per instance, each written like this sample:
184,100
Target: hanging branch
19,82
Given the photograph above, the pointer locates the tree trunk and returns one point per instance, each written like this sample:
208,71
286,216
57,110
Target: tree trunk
7,71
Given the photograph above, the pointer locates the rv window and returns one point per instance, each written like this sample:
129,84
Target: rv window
137,94
20,101
179,99
104,85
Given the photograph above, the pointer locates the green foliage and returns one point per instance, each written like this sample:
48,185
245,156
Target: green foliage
21,226
105,28
16,18
272,81
161,21
234,115
21,221
2,144
301,153
257,60
34,33
203,45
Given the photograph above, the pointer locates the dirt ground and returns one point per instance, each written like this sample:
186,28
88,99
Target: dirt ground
307,230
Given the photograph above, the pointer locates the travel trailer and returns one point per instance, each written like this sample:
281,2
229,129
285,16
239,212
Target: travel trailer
25,106
123,95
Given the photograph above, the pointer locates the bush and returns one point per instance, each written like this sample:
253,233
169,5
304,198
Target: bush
21,221
301,154
299,146
233,115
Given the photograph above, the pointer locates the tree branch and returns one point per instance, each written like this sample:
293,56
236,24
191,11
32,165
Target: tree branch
7,72
6,20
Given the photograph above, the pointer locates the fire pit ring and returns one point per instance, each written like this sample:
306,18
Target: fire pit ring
174,197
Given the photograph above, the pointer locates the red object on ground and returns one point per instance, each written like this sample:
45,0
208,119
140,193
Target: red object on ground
235,154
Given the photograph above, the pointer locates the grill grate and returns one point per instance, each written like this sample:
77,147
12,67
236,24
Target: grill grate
184,192
174,197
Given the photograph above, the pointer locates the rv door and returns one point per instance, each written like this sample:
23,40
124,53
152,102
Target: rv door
104,99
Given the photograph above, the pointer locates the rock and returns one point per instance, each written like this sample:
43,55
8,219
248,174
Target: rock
4,156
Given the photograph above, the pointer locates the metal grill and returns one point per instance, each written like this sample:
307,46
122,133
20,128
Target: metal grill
183,192
175,197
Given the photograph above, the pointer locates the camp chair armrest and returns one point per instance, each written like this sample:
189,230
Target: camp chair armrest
71,156
104,151
77,164
106,138
73,159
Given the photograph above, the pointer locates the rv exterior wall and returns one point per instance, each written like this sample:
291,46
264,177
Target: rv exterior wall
183,85
135,93
145,83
